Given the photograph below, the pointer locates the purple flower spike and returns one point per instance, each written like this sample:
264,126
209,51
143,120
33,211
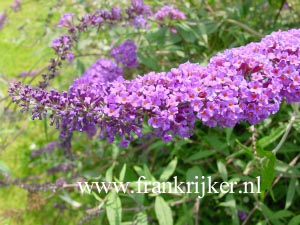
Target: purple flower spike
70,57
169,12
102,71
66,20
240,84
139,13
125,53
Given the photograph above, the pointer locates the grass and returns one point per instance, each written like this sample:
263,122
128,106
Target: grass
24,45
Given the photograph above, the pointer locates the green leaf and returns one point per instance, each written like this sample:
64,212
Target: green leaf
156,145
157,36
231,204
228,132
211,26
122,173
295,220
138,197
272,137
234,210
187,33
149,61
163,211
80,66
203,32
169,170
222,170
114,208
281,214
200,155
97,197
296,125
245,148
267,169
139,170
180,53
275,218
290,193
269,213
115,151
144,172
216,141
228,203
109,173
66,197
4,168
267,173
238,153
141,218
148,173
191,175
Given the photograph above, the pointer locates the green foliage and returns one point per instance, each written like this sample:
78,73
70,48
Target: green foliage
163,211
113,208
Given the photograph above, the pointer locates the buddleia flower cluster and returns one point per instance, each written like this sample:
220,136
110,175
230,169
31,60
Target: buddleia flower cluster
104,70
240,84
125,54
167,14
137,14
101,71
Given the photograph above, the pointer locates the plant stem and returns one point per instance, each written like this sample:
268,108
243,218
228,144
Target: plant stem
288,128
245,27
